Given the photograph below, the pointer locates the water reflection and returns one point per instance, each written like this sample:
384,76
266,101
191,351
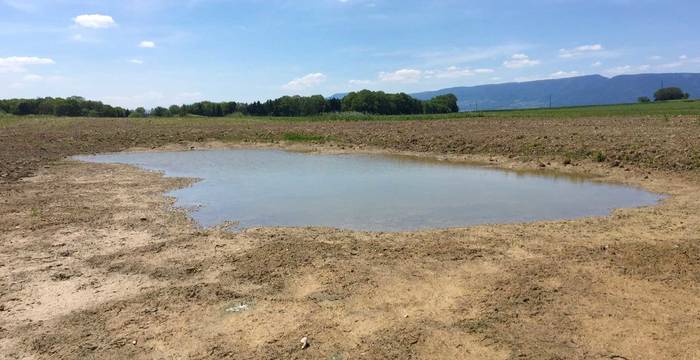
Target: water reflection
371,192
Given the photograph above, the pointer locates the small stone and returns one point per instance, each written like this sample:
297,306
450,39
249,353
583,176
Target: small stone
133,342
144,219
304,342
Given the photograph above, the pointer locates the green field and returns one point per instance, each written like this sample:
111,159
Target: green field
669,108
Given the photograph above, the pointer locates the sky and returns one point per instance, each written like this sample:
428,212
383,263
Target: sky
161,52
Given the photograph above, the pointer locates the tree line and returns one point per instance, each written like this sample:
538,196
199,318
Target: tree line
365,101
72,106
666,94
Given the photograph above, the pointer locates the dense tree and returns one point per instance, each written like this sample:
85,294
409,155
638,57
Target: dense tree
670,93
334,105
365,101
72,106
175,110
643,99
378,102
160,112
139,112
442,104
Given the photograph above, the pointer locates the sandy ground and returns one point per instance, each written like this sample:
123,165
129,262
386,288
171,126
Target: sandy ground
96,263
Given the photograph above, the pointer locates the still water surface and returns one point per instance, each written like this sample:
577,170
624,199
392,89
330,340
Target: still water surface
370,192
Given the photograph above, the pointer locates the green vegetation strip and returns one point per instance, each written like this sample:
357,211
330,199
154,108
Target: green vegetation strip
298,137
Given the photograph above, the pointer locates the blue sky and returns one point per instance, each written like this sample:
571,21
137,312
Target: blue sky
160,52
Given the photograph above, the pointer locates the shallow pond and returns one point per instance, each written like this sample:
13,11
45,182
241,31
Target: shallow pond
370,192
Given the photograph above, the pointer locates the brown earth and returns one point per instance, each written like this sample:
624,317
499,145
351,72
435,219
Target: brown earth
648,143
96,263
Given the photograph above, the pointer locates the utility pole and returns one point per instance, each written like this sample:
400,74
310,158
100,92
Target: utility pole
476,106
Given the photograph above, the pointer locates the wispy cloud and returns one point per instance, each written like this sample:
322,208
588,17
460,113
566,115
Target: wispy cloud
626,69
360,82
403,75
455,72
563,74
136,61
147,44
580,51
20,63
305,82
520,61
94,21
33,77
683,60
21,5
469,54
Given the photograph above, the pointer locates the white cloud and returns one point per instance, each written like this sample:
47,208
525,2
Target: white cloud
85,38
597,64
466,55
415,75
454,72
563,74
683,60
146,44
451,72
305,82
20,63
520,61
95,21
626,69
403,75
672,65
360,82
136,61
580,50
32,77
21,5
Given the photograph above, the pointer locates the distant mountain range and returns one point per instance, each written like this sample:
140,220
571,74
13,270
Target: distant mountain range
575,91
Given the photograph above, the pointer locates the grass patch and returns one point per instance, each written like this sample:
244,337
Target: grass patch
298,137
599,156
6,120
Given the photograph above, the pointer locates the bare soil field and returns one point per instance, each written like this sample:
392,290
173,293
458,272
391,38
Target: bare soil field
96,263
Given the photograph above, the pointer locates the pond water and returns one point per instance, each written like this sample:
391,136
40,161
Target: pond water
370,192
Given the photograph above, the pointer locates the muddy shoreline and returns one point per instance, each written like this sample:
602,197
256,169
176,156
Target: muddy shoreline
97,263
